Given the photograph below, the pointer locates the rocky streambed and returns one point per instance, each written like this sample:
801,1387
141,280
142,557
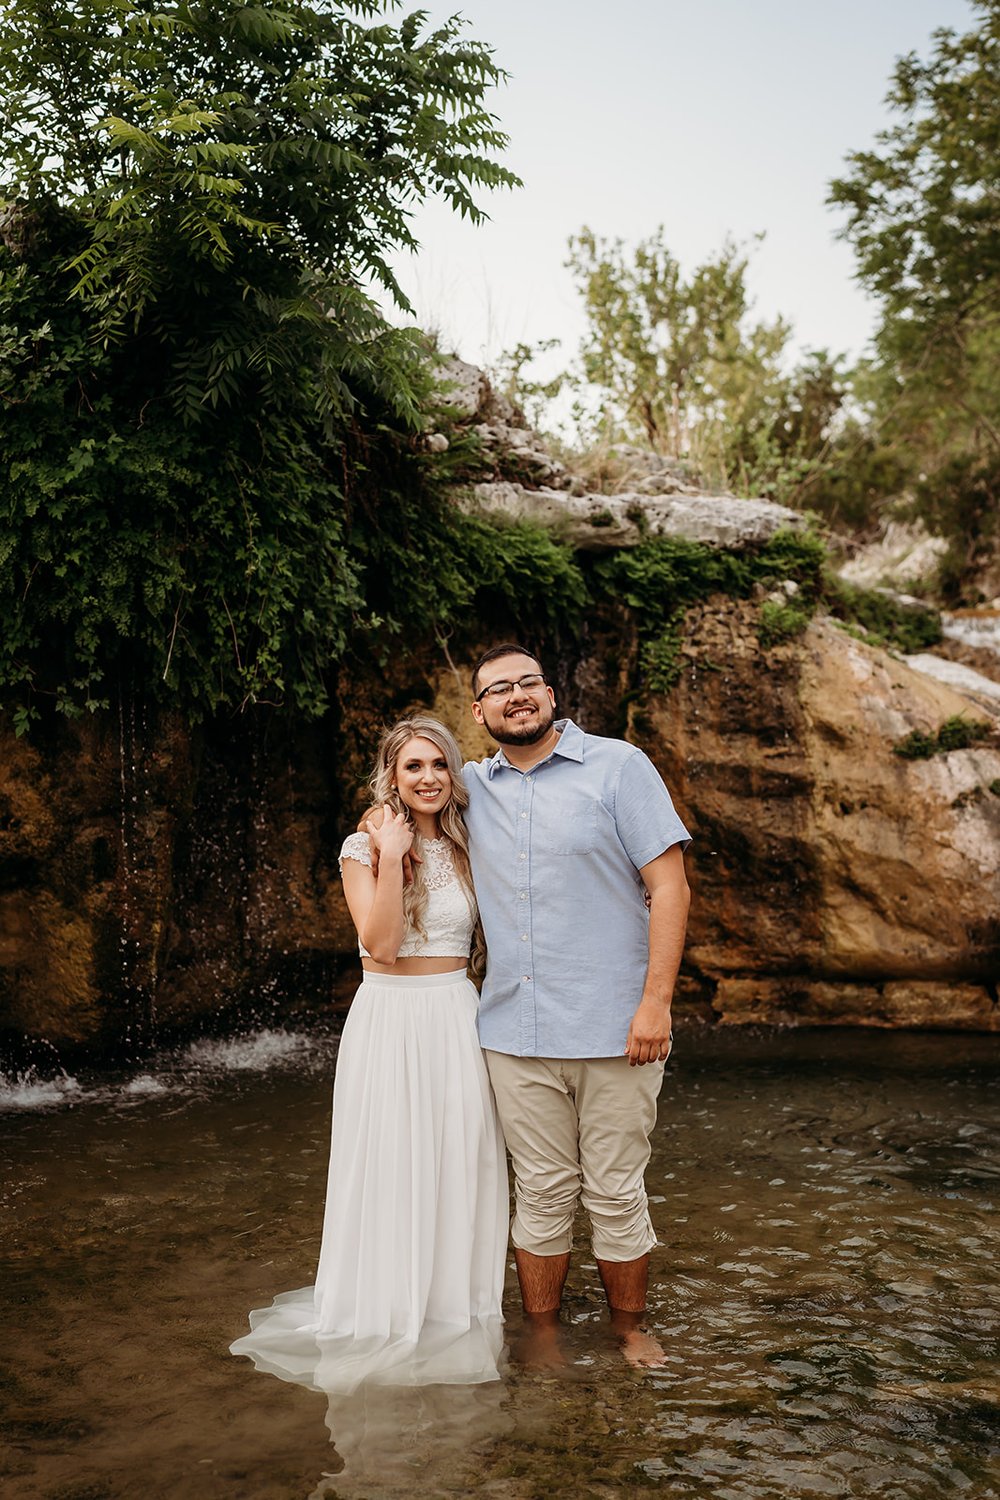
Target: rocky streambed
825,1288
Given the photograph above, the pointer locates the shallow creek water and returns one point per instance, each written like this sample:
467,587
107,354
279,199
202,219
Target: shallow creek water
825,1288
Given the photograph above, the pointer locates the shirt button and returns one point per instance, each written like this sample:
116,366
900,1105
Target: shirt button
524,815
522,856
526,978
524,937
523,895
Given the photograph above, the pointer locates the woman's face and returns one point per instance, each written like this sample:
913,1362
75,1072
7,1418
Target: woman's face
422,777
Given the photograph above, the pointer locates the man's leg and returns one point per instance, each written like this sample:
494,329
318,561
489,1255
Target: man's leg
541,1279
625,1288
617,1110
625,1283
540,1128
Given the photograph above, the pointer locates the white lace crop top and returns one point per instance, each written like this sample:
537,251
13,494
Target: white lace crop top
449,916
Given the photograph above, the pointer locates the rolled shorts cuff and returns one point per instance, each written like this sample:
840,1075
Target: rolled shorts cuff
620,1247
535,1244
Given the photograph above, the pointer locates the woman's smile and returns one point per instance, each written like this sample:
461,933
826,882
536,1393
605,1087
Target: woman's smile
423,780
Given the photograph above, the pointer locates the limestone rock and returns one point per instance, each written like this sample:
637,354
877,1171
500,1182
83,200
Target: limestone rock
817,851
904,554
899,1003
462,387
604,522
651,473
151,877
519,455
971,637
661,484
978,629
972,684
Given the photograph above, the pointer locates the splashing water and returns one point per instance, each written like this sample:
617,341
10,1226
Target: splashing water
27,1090
250,1054
201,1065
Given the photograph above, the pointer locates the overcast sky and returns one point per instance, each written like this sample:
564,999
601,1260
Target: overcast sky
707,116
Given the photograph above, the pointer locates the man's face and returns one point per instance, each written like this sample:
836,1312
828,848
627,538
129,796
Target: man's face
525,715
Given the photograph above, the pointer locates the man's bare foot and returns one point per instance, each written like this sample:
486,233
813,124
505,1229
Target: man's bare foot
539,1346
641,1349
638,1345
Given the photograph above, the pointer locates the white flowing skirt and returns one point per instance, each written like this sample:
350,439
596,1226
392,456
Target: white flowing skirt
415,1231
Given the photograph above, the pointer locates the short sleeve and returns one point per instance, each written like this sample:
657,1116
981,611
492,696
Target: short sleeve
645,815
356,846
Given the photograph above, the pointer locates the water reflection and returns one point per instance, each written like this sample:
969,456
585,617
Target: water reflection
826,1288
404,1441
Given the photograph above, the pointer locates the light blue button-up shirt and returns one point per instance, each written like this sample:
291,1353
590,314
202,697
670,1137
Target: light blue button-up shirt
556,853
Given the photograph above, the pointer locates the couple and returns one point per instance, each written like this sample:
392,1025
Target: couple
561,835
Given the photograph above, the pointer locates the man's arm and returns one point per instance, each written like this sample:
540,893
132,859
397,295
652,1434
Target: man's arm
669,898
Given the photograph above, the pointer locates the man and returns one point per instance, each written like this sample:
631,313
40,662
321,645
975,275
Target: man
567,832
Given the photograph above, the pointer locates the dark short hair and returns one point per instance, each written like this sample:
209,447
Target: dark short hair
506,648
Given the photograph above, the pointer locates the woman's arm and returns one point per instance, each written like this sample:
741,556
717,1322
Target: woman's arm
375,900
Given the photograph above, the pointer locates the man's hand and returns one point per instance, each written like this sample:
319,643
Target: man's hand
649,1033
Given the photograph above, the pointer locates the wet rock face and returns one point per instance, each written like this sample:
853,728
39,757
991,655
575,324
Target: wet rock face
151,879
824,864
904,555
84,865
730,743
930,1005
154,879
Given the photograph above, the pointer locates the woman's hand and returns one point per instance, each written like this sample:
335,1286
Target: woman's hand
369,823
393,838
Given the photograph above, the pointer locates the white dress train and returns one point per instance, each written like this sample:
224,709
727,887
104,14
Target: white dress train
415,1231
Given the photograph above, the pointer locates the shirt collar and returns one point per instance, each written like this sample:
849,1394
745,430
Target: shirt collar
569,746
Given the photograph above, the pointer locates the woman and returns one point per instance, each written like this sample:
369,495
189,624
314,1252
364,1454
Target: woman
411,1267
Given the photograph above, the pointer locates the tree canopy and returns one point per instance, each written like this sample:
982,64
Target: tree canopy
672,354
238,174
678,362
207,481
924,205
923,216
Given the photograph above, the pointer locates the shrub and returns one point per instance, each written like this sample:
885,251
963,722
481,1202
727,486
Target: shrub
956,733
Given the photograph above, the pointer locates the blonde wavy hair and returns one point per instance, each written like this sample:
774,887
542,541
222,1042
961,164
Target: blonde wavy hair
451,819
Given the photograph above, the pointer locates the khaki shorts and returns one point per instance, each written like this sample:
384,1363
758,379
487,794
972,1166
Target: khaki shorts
578,1128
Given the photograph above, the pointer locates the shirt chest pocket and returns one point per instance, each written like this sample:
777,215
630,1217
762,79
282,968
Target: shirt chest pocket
563,826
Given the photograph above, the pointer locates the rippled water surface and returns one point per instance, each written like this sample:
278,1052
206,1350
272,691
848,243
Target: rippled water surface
826,1288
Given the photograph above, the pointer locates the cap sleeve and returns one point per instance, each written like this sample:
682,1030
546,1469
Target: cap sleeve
356,846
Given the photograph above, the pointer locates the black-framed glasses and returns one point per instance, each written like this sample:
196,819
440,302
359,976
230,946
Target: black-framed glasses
527,684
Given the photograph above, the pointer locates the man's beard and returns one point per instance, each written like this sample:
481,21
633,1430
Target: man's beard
522,731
